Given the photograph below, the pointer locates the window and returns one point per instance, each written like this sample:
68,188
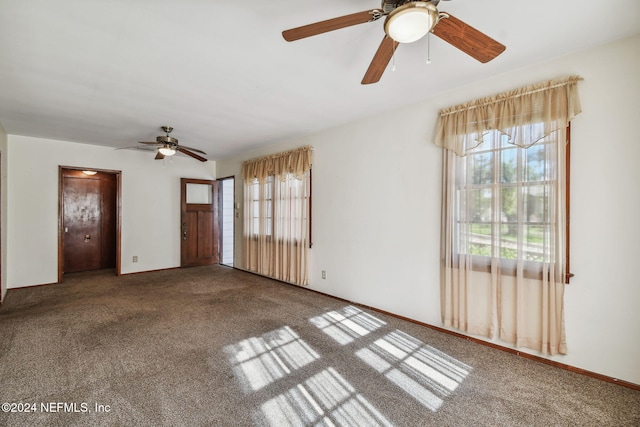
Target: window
505,214
277,215
262,207
504,196
295,197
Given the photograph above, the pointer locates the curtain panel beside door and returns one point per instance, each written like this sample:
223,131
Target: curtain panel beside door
277,190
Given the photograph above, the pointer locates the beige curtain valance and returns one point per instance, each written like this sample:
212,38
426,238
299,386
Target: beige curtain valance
553,104
295,162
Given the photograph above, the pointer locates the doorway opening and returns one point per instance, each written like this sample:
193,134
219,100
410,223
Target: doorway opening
88,220
229,211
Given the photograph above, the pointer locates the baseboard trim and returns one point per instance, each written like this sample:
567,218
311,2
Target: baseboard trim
150,271
31,286
516,352
118,275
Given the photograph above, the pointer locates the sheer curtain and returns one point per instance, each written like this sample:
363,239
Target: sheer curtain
504,214
277,190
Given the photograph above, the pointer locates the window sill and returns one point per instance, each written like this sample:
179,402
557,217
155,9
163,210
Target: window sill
508,267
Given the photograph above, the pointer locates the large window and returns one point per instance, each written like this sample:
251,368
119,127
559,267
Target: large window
505,214
277,215
291,212
504,201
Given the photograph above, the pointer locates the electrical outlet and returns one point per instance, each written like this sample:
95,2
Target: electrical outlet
324,274
135,258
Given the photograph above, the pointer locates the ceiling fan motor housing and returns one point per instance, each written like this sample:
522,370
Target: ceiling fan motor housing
167,140
389,5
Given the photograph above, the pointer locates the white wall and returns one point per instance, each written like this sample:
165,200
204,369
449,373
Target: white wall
3,213
376,206
150,205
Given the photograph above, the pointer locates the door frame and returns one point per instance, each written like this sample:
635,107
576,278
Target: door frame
215,220
118,175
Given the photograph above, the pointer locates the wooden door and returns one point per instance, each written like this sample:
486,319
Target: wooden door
199,222
82,224
89,216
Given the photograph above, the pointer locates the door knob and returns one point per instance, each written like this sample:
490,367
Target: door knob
87,237
184,234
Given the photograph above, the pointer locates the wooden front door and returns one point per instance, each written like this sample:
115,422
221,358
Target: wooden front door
89,220
199,222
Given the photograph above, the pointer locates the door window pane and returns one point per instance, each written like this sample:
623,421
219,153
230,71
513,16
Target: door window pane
200,194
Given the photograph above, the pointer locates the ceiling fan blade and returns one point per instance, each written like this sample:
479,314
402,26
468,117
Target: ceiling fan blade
150,143
331,24
159,156
466,38
380,61
193,149
189,153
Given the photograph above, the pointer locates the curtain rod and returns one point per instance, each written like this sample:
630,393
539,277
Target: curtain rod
537,88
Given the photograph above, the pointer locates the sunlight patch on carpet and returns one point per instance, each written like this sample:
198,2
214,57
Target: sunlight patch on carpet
423,372
259,361
325,399
347,324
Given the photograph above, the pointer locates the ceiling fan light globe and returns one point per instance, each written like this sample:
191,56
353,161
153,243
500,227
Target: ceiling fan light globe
167,151
411,21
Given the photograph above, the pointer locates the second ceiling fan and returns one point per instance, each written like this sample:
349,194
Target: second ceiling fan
168,145
407,21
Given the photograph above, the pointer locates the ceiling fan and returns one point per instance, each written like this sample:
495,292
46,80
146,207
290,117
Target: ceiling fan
168,146
407,21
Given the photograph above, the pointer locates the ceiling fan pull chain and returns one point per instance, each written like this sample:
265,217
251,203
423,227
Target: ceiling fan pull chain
428,48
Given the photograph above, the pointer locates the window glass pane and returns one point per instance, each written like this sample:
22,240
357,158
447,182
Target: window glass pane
509,165
482,231
199,194
508,251
535,203
535,163
482,168
509,204
480,239
478,205
509,234
535,239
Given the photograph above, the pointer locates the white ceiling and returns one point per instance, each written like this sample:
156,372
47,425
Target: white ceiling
111,72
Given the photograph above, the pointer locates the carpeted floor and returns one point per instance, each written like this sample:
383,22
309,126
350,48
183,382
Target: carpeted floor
216,346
